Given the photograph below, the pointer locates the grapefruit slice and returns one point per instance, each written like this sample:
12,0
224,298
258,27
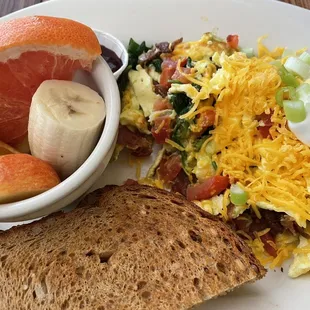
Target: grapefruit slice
34,49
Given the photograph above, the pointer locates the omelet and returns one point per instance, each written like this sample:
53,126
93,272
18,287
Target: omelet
271,167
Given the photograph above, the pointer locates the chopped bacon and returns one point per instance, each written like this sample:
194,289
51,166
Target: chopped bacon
205,120
139,145
161,129
269,244
168,67
177,75
160,90
161,104
181,183
209,188
233,41
169,168
267,123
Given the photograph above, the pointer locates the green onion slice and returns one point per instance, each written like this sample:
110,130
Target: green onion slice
294,110
305,57
288,52
248,51
303,92
287,77
287,92
237,195
276,63
298,67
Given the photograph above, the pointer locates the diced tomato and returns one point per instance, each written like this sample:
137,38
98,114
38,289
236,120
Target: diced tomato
168,67
162,104
205,119
264,129
181,183
166,75
161,129
233,41
169,168
209,188
180,77
266,118
268,241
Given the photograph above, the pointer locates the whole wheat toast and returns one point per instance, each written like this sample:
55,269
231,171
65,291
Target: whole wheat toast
128,247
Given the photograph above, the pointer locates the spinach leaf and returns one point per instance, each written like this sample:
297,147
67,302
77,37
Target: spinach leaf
134,51
185,165
197,144
157,64
174,82
214,165
189,63
180,102
123,79
180,132
198,87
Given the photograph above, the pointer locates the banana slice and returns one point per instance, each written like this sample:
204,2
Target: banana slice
65,122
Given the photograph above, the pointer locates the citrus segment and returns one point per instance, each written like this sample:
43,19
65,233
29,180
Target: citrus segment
32,50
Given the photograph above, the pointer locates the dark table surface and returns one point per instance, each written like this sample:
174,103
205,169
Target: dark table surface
8,6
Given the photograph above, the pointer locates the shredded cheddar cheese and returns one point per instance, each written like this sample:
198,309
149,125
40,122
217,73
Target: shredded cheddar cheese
263,232
272,171
264,51
175,145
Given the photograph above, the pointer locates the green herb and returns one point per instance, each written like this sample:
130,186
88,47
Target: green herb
174,82
189,63
287,77
197,144
157,64
180,102
187,167
123,79
198,87
184,159
180,131
134,51
214,165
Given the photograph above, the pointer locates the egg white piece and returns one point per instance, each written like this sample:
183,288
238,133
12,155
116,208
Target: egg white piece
301,262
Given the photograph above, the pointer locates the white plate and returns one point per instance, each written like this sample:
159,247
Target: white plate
158,20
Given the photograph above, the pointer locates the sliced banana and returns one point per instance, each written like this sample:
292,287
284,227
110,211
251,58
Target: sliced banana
65,123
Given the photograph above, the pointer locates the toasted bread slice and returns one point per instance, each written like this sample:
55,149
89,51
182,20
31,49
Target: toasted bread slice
128,247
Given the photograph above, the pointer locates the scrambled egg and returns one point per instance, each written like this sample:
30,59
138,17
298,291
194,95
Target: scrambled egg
268,206
142,86
188,89
138,100
301,263
131,114
215,206
201,49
